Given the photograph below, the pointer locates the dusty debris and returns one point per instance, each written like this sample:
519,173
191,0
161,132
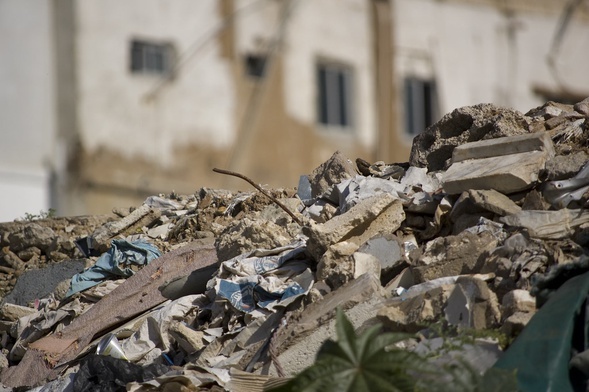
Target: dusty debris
474,233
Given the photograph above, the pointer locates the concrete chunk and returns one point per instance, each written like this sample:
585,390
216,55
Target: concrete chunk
506,174
454,255
374,215
472,304
540,141
298,340
331,172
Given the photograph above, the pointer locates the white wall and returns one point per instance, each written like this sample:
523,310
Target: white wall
27,121
478,54
337,30
195,107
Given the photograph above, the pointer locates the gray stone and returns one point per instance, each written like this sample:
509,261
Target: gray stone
433,148
514,324
404,280
582,107
454,255
565,166
417,312
472,305
12,312
33,235
481,202
331,172
365,263
517,301
38,283
388,249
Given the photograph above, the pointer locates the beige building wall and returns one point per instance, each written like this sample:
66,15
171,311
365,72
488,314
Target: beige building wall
143,134
83,133
489,51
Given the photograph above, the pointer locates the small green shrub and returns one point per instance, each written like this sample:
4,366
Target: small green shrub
371,362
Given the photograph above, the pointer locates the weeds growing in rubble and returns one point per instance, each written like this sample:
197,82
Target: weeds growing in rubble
28,217
372,362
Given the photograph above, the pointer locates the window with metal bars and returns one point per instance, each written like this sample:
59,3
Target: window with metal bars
334,103
149,57
420,104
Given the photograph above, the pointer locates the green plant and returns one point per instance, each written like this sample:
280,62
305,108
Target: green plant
368,362
371,362
50,213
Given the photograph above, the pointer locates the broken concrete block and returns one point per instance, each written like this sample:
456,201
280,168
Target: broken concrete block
548,224
454,255
508,165
246,235
365,263
433,147
331,172
417,312
12,312
321,211
404,281
506,174
472,305
514,324
388,249
504,146
374,215
100,239
298,339
489,200
518,301
186,337
336,266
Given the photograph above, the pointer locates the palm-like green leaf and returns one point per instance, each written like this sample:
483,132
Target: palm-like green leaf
358,363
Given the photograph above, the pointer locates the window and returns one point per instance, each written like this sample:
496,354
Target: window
420,104
151,58
255,65
335,95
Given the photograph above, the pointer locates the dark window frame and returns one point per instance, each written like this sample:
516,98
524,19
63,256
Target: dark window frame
150,57
335,106
255,65
421,104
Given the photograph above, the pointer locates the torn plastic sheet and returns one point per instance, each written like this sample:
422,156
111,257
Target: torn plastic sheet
116,262
32,327
264,277
415,189
247,293
100,373
189,378
261,261
152,339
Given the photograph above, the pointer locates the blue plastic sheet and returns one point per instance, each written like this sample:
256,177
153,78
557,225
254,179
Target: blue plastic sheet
116,262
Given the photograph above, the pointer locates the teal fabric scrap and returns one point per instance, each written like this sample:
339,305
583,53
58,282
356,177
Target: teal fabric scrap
115,263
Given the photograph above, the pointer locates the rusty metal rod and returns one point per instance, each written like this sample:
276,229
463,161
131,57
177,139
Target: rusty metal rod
259,188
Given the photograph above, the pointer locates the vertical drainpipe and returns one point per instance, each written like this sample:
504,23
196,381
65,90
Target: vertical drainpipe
386,105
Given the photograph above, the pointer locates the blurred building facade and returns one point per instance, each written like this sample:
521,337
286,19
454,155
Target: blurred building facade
107,102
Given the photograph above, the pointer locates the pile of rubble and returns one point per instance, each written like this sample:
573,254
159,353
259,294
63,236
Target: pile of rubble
234,290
